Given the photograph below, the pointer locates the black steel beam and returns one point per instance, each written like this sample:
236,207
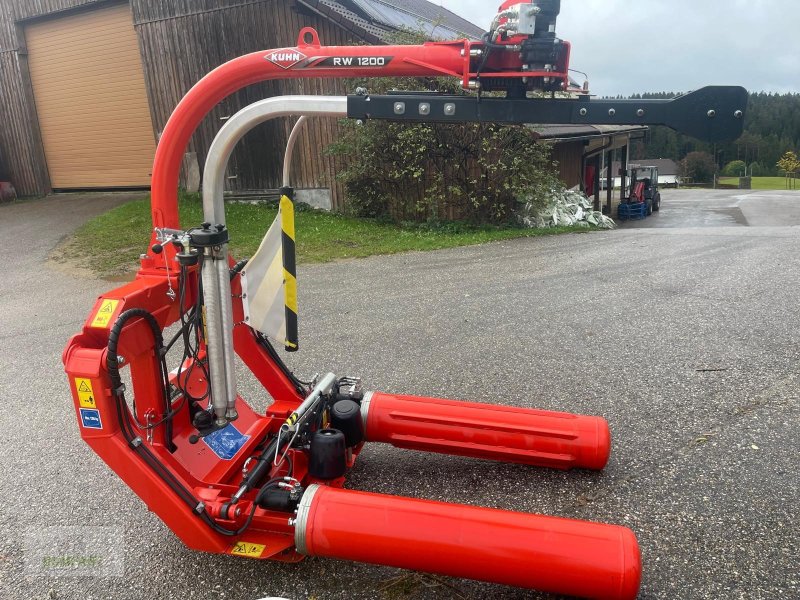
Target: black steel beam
714,114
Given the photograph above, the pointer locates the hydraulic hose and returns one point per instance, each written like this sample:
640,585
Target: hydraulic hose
135,442
112,361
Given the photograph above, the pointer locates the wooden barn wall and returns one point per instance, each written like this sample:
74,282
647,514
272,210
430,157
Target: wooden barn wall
569,156
180,42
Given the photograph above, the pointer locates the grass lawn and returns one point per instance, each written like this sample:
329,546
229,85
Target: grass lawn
761,183
110,244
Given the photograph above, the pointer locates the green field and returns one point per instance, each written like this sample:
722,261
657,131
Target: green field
110,244
762,183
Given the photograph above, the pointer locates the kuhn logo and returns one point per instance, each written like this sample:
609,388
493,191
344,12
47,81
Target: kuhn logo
285,58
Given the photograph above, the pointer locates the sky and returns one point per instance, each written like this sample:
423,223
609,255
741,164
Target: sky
631,46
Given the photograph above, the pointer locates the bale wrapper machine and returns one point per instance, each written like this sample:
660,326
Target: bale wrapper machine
269,485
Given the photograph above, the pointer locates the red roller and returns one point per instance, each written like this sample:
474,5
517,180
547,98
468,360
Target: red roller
532,437
553,555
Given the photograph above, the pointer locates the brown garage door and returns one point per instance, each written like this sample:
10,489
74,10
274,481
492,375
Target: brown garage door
91,99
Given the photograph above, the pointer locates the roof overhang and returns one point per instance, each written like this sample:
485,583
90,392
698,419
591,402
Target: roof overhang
576,133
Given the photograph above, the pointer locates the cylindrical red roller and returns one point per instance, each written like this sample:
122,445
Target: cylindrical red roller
559,556
503,433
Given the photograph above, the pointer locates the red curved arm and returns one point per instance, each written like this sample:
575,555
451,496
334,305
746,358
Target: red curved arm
313,60
462,59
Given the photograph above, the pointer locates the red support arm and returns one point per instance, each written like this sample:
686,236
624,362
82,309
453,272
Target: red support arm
305,61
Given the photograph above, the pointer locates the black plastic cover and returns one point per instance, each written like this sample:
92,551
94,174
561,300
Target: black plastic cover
209,235
346,417
328,456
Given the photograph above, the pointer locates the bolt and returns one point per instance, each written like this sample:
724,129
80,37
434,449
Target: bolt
640,112
584,112
738,114
399,108
449,109
424,109
612,112
712,113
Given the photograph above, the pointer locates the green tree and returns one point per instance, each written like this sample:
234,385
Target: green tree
698,167
432,172
790,165
735,168
771,128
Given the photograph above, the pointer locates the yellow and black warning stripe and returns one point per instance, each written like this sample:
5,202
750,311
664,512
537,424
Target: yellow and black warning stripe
289,268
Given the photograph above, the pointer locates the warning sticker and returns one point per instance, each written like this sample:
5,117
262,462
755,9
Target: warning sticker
226,442
90,418
247,549
85,393
103,317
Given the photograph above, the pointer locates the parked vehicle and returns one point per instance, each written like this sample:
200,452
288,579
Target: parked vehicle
644,186
645,197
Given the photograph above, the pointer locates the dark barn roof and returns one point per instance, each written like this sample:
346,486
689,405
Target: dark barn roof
665,166
381,17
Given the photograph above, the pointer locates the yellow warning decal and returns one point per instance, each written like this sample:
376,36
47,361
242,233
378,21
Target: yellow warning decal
85,393
290,281
103,317
247,549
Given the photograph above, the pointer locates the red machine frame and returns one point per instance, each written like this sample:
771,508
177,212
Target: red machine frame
194,490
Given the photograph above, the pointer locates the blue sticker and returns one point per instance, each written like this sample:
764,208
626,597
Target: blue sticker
90,417
226,442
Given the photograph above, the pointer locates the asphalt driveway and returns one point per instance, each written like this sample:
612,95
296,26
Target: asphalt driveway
683,333
723,208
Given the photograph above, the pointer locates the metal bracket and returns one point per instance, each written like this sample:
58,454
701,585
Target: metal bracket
713,114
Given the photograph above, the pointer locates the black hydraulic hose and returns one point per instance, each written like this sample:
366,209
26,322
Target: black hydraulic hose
112,362
485,58
136,442
188,324
239,267
299,386
113,340
263,466
180,332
